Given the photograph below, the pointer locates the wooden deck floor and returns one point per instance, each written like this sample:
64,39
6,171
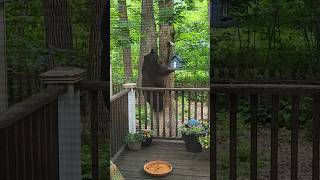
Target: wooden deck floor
186,166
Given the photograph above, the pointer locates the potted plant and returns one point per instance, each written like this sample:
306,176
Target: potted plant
205,144
190,132
133,141
147,137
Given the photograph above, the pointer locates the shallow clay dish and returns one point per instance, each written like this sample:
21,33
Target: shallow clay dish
158,168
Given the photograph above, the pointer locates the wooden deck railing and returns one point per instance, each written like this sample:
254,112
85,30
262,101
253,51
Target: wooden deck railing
119,121
29,138
179,105
41,137
275,91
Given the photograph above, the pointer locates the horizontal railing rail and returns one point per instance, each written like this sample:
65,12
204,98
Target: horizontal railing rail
263,81
120,94
23,109
276,89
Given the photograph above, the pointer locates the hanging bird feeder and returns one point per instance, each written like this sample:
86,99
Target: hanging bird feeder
176,62
220,16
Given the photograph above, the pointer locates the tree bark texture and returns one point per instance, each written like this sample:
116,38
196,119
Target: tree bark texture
125,39
3,65
58,26
148,39
166,35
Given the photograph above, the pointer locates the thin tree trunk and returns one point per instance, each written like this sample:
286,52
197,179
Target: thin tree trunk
316,5
125,39
57,26
3,65
148,39
317,23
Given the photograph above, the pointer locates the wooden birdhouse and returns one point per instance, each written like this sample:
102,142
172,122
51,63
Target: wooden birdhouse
176,62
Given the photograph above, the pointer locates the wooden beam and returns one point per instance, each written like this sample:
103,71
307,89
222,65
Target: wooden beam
273,89
93,85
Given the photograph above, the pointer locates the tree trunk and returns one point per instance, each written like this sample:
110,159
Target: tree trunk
165,37
125,39
3,65
316,6
148,39
57,27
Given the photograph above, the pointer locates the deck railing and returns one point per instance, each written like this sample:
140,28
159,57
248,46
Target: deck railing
41,136
29,138
276,92
179,105
119,121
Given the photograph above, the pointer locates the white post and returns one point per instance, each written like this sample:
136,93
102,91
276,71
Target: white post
69,126
3,65
131,106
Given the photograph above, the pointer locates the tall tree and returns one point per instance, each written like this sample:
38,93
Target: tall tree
98,71
148,37
3,65
57,26
125,38
316,15
166,35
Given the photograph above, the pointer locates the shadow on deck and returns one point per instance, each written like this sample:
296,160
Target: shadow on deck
186,166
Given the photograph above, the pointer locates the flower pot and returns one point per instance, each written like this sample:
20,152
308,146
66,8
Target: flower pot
134,146
191,143
147,142
205,154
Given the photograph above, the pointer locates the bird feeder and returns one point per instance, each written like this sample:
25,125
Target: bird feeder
176,62
220,17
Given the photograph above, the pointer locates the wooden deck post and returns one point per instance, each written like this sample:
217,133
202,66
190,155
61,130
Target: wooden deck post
131,106
3,65
69,126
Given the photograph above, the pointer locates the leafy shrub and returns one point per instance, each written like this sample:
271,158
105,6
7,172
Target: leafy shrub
133,138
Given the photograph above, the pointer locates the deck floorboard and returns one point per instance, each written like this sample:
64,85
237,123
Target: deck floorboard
186,166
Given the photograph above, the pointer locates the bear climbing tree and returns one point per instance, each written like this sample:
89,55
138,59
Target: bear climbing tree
153,75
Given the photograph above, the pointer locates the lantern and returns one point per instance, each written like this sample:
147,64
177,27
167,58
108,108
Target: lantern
220,15
176,62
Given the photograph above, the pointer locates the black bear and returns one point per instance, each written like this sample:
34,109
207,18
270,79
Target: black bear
153,76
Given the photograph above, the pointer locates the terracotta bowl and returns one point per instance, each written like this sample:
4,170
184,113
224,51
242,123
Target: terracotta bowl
157,168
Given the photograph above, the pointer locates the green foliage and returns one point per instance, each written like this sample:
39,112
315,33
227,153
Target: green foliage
142,115
133,138
25,36
262,42
147,133
205,141
191,38
86,161
185,130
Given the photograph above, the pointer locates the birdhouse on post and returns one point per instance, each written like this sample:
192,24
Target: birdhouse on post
220,15
176,62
